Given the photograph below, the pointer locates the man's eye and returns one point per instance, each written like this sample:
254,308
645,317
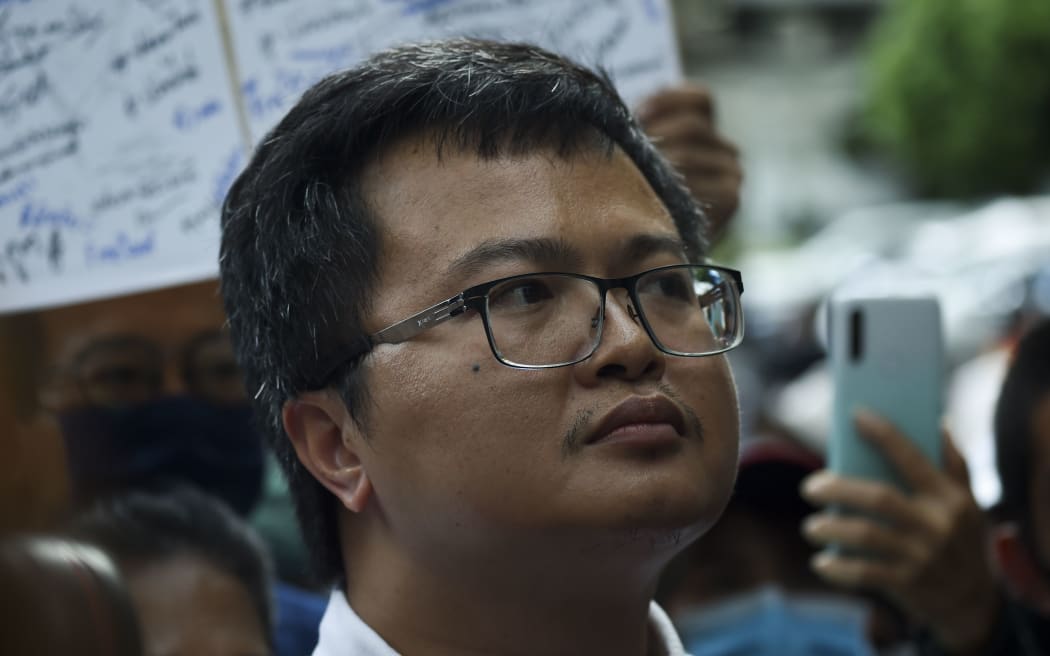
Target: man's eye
519,294
677,286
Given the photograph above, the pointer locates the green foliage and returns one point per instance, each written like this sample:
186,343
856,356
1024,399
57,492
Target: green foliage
960,93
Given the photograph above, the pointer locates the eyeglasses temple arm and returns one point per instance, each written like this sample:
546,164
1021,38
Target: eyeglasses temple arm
417,323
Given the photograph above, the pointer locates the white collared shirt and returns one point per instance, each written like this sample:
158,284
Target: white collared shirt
344,633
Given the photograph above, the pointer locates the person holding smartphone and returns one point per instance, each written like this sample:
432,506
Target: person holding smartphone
925,549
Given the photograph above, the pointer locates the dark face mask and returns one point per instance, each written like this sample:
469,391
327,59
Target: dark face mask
163,441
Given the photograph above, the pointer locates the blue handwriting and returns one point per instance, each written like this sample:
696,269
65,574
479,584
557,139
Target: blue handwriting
258,103
38,216
419,6
121,249
652,11
189,118
229,171
17,193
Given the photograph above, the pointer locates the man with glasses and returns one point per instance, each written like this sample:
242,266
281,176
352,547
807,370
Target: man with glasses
472,305
146,391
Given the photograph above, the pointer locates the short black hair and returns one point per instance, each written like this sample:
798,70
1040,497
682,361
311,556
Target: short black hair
300,245
1027,385
141,528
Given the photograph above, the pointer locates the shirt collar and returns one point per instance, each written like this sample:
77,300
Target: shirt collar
344,632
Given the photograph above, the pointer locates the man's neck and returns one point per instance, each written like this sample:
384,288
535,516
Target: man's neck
524,604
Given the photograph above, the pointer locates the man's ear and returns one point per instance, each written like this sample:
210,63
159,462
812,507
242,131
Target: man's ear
1023,576
326,439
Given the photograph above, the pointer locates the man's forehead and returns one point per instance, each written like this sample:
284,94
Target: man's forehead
422,196
576,213
414,161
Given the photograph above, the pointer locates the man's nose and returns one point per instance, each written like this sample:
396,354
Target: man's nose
620,310
626,350
622,321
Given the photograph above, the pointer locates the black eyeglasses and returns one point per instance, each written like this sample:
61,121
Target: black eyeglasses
547,320
124,369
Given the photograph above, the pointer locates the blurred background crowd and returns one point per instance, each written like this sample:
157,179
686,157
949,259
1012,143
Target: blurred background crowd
886,147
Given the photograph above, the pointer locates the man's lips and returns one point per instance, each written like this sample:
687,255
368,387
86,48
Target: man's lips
643,419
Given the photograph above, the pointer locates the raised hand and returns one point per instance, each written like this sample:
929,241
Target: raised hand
924,549
681,122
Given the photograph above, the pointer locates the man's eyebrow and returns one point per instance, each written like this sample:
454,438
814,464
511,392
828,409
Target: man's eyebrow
644,245
542,251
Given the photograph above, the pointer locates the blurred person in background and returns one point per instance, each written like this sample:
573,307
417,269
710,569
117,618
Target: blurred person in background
145,389
197,575
134,391
927,550
746,586
1022,443
60,597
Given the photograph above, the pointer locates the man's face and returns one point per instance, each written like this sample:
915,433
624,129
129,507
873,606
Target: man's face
454,438
1040,482
131,349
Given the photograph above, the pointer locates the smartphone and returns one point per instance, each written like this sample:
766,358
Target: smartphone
886,355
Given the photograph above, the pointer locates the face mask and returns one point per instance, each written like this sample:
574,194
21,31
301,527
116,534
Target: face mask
771,622
170,439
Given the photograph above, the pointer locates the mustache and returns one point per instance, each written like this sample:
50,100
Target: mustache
573,441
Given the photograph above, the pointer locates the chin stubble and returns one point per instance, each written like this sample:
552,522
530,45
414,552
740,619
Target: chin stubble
691,418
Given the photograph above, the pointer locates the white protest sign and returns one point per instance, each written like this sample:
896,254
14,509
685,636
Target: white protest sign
118,141
118,128
283,46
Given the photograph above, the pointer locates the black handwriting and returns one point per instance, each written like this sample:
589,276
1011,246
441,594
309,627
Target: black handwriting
41,136
14,97
148,43
8,172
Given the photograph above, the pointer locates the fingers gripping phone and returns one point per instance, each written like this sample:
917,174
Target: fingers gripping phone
886,356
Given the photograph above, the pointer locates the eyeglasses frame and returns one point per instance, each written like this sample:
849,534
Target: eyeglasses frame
475,298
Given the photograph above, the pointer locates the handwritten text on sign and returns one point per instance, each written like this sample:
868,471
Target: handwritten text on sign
118,128
284,46
118,134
